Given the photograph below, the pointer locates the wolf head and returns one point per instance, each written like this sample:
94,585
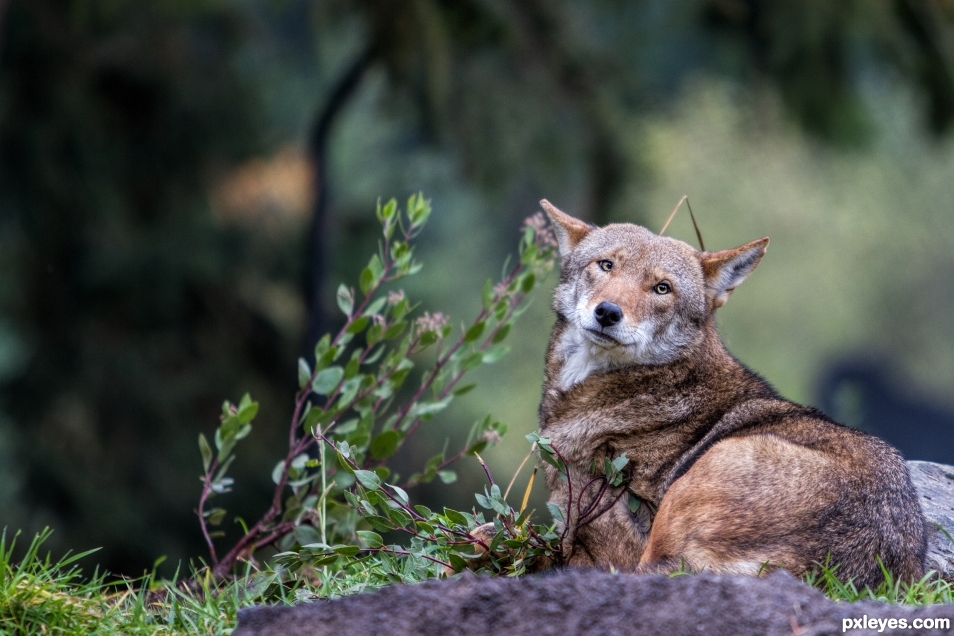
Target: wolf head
633,297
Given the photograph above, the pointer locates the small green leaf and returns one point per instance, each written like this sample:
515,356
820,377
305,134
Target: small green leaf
371,539
551,459
477,447
206,451
353,365
447,476
528,283
346,550
366,280
322,346
418,210
634,503
299,461
472,361
395,330
380,523
215,516
401,494
327,380
306,535
425,527
455,517
345,298
346,426
555,511
371,275
475,331
220,486
389,209
501,334
398,516
358,325
368,479
304,373
322,559
375,355
428,408
461,390
385,444
277,471
247,410
620,462
375,306
374,334
495,353
487,294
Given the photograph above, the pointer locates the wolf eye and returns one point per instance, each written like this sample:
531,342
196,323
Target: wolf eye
662,288
605,265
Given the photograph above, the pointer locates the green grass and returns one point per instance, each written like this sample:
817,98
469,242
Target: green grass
39,595
930,590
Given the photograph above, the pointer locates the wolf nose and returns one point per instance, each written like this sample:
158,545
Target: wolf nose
608,314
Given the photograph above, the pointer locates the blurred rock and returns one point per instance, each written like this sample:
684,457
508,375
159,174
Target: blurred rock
866,392
572,602
935,485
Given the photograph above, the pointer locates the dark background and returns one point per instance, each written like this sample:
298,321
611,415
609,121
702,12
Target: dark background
183,184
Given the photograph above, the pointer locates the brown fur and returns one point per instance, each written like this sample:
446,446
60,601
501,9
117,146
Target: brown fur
744,481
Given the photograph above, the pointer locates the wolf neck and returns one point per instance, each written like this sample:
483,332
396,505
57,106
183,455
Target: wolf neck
660,410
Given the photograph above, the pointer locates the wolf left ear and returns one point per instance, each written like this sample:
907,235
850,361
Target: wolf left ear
725,270
569,231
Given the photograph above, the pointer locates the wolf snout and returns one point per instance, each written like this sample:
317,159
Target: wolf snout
608,314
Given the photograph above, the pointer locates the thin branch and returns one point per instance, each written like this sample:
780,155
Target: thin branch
203,498
672,214
519,468
604,510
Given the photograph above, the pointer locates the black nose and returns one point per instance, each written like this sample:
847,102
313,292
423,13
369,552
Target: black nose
608,314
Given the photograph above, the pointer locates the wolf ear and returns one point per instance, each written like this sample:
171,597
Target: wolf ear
725,270
569,231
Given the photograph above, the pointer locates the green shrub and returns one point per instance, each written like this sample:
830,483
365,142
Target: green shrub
334,492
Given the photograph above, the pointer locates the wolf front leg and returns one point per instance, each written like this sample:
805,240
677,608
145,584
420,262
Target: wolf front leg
598,529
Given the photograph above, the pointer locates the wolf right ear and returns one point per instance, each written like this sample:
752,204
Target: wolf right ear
725,270
569,231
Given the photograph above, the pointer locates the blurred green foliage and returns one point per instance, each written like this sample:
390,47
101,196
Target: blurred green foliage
142,278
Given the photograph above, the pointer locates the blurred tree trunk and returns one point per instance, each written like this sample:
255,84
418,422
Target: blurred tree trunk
318,320
4,5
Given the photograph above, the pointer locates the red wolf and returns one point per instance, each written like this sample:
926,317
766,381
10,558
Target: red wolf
723,474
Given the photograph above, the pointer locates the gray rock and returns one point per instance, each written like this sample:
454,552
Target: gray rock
576,602
935,486
592,602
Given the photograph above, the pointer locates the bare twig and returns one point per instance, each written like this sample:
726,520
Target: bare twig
519,468
672,214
